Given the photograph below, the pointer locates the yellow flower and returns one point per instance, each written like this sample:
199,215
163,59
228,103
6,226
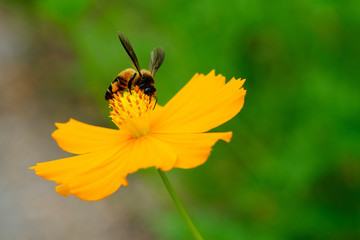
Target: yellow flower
161,137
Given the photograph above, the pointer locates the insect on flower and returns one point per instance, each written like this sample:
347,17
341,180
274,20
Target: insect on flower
173,136
144,79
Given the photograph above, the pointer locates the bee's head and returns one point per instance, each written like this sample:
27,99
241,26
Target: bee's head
150,91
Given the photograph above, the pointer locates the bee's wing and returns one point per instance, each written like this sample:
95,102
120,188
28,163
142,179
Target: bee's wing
130,51
156,59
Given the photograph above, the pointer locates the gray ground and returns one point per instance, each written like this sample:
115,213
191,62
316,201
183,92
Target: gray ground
30,103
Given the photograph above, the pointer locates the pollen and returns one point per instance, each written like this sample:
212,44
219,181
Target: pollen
131,111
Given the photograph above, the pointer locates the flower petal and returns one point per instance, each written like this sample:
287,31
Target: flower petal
108,176
203,104
87,169
96,175
192,149
79,138
149,151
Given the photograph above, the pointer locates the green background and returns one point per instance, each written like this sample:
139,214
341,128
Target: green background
292,168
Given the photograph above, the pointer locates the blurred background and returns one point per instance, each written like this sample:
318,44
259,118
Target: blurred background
292,169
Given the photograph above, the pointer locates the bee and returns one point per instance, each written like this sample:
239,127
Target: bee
131,77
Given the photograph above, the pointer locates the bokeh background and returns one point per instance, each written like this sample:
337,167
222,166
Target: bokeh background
292,169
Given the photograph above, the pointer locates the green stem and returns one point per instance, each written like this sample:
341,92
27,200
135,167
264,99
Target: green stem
179,206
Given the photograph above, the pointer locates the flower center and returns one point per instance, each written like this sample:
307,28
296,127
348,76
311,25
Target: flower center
131,111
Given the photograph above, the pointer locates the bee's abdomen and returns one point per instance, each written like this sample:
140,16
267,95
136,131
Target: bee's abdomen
120,83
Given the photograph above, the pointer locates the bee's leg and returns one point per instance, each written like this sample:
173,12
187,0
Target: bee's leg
155,102
130,82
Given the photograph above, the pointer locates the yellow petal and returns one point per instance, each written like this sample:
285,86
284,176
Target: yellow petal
149,151
203,104
96,175
77,137
101,181
192,149
138,153
91,176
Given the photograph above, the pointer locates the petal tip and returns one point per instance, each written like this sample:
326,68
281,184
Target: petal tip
228,137
242,81
63,190
71,120
54,133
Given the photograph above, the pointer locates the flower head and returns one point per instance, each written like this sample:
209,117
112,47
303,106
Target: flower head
131,112
173,136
